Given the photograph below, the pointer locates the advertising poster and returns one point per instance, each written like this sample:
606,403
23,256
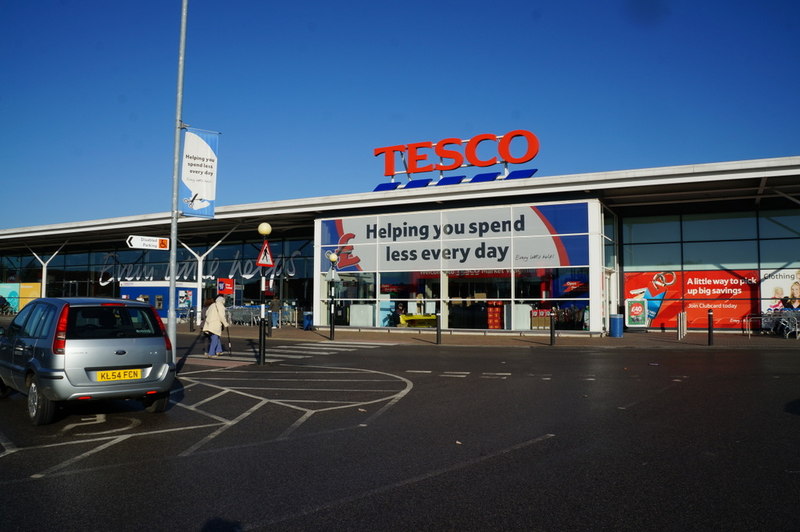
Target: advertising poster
28,292
224,286
491,238
635,313
9,294
780,290
731,294
184,299
198,184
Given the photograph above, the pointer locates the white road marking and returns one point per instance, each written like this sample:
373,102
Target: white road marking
296,348
8,445
368,345
316,347
291,354
274,389
394,396
223,428
81,456
206,379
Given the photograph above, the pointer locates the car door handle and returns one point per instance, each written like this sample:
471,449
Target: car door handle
120,352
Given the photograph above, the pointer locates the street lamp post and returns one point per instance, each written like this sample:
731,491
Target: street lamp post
264,229
332,278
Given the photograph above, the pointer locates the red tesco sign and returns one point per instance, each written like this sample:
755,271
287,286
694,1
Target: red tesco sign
446,150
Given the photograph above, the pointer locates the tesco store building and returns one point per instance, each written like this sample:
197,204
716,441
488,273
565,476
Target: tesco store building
490,250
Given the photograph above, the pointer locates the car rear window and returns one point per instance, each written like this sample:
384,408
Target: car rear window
111,322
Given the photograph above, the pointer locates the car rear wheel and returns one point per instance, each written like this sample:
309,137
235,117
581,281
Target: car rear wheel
41,410
156,405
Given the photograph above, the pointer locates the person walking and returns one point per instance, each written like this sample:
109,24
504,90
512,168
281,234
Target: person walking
275,311
214,324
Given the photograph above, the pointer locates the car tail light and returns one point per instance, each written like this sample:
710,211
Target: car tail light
164,332
60,338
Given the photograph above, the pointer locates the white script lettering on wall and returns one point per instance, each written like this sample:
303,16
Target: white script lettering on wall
113,270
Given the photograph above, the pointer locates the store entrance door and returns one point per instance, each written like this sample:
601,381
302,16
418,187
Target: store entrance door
610,297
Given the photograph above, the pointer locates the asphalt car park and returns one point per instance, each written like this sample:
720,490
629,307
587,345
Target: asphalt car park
210,408
500,438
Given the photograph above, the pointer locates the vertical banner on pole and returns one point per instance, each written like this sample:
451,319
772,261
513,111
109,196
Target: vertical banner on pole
198,187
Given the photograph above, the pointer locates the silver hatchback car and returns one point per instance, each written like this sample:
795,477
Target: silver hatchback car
66,349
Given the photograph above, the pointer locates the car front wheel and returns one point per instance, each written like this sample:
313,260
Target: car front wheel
41,410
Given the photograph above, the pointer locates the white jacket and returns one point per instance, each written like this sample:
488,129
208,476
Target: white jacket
215,317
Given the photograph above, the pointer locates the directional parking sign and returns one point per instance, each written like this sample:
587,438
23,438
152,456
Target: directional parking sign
147,242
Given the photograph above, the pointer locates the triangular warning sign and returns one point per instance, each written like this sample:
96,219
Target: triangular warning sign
264,256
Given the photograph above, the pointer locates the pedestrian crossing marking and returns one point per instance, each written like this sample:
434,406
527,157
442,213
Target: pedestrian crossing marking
300,351
312,348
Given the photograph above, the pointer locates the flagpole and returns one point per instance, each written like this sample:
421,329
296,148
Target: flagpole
173,248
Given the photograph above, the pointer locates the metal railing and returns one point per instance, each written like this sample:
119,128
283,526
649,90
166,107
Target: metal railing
781,323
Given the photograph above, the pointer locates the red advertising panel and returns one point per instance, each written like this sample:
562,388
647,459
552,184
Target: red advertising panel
731,294
661,291
224,286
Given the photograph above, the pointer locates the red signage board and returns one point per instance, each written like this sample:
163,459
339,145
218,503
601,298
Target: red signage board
224,286
730,294
450,150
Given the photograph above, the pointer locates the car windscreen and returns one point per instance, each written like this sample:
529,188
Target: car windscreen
111,321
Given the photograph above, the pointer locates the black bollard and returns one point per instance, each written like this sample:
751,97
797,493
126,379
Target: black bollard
333,318
192,316
552,328
710,326
438,323
262,342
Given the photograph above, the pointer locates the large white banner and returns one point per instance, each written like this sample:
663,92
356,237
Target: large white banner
524,236
198,187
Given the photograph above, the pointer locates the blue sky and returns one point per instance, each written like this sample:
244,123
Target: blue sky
303,92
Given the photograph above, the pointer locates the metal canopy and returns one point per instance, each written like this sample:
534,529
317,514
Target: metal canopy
738,185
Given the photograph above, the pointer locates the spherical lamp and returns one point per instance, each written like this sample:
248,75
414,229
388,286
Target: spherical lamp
264,229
